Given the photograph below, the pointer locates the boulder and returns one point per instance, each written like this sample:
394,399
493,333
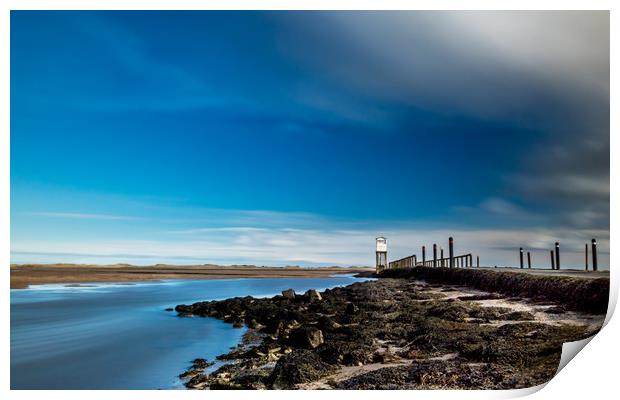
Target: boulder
253,324
312,295
199,381
386,357
201,363
183,309
327,324
351,309
274,326
237,323
306,338
330,354
289,294
299,366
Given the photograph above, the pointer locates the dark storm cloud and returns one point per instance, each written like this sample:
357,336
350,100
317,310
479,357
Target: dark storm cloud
493,64
545,72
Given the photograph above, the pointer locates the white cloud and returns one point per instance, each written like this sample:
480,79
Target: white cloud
317,247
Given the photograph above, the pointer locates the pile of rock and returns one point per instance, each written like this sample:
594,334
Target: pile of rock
396,322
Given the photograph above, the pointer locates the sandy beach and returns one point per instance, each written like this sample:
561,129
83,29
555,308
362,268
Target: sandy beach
36,274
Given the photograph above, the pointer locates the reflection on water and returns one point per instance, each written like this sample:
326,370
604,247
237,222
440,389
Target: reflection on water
118,336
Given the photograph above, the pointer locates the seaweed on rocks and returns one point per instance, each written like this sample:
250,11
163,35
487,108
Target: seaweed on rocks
590,295
299,366
421,339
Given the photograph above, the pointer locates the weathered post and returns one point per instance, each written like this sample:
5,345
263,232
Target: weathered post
477,261
521,257
557,255
443,262
451,251
424,256
529,261
434,254
586,256
594,256
552,260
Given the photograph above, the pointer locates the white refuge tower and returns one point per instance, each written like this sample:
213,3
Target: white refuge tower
381,254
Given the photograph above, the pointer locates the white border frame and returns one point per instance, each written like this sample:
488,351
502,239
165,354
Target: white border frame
592,374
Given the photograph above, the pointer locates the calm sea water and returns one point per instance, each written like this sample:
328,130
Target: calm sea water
119,336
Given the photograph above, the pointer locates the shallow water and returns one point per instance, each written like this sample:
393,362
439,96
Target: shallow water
118,336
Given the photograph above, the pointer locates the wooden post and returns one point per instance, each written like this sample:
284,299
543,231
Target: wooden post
557,255
451,251
477,261
424,255
586,256
434,254
594,256
443,262
529,261
521,257
552,260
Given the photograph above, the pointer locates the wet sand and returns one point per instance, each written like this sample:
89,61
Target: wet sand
36,274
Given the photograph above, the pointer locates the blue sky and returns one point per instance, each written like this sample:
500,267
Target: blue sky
282,138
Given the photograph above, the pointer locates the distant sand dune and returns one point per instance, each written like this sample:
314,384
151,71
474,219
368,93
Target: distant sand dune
35,274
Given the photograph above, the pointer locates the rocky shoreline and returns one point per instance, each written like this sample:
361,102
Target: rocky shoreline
392,333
